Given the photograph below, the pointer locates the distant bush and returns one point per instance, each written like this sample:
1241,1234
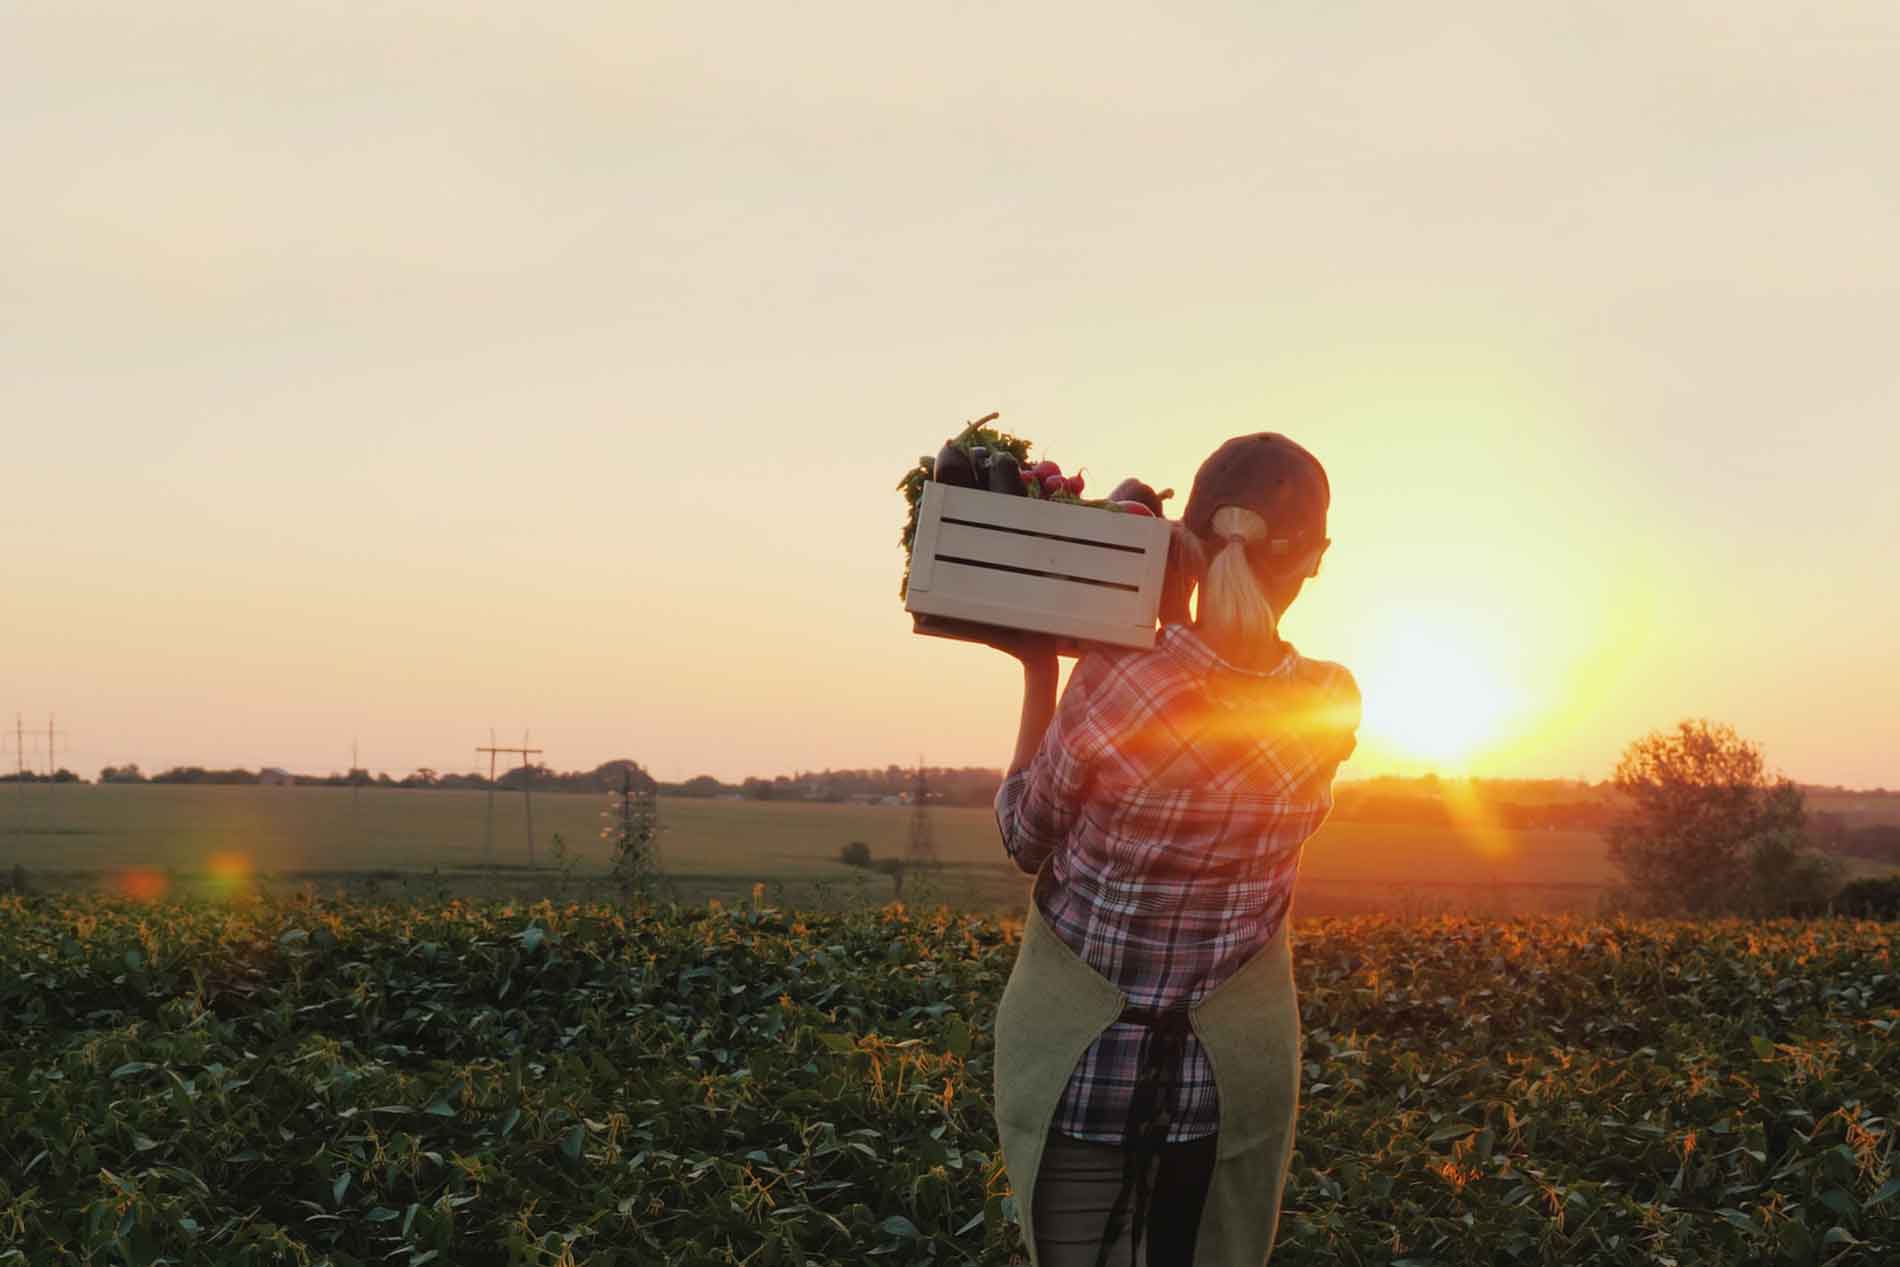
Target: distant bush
855,854
192,774
1872,898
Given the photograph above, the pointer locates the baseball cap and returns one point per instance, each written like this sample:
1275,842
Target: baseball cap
1269,475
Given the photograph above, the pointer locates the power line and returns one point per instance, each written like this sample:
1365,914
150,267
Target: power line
527,797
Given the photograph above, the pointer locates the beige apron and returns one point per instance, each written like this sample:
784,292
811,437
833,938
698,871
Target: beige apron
1055,1005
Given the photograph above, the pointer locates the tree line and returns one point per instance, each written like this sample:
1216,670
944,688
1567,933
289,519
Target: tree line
608,776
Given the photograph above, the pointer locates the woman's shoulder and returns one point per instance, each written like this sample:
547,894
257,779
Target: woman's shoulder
1327,675
1331,693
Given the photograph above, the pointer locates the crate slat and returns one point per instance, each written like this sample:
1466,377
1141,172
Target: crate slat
1027,564
1112,565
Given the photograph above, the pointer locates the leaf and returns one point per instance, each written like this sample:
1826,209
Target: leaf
341,1186
975,1221
531,937
1444,1133
572,1141
899,1226
1887,1190
131,1067
441,1108
956,1038
1763,1048
382,1214
1841,1202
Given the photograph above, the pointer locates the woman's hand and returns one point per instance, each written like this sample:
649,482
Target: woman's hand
1031,648
1035,650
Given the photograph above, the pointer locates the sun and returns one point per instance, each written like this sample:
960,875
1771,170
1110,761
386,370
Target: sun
1433,686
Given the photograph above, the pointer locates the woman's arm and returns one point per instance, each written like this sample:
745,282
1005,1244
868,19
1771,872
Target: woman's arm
1041,791
1039,707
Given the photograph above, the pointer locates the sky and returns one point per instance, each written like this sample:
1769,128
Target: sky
384,374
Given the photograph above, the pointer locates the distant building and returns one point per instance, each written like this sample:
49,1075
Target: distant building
275,776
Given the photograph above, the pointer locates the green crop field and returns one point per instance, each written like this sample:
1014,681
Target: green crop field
394,841
327,1082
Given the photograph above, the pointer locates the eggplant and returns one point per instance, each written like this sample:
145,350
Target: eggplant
953,466
1006,474
1133,490
980,460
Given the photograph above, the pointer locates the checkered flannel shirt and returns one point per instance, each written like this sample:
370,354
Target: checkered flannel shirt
1171,796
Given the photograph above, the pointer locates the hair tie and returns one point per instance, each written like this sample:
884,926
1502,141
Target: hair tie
1236,539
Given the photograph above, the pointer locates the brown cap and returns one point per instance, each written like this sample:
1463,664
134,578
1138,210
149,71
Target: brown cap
1269,475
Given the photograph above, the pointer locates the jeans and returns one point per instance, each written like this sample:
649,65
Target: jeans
1076,1188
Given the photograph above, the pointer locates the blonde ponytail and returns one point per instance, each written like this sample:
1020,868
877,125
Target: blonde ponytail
1232,606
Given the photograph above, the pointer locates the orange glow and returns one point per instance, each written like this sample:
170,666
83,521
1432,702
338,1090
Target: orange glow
230,872
143,884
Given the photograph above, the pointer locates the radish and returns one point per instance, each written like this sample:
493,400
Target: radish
1053,484
1044,469
1133,508
1074,484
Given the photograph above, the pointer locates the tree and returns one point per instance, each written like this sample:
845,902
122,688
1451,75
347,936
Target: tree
1706,831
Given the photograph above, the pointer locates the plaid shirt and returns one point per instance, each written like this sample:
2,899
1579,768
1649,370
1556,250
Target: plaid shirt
1172,794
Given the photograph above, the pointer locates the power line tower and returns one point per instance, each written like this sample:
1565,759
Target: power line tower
923,836
527,795
52,767
19,754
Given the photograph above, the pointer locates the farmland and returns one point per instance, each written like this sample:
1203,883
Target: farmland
383,841
316,1081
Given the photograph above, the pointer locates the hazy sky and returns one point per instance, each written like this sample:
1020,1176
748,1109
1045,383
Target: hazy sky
385,372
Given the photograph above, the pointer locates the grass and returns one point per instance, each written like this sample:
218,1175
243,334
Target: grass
389,841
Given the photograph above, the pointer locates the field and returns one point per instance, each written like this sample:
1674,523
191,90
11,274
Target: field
382,841
328,1082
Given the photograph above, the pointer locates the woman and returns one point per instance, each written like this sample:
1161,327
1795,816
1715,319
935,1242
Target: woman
1147,1065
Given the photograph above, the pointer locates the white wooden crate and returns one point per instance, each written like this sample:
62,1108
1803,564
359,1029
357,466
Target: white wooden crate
1078,571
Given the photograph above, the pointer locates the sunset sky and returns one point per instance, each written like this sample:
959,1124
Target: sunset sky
385,373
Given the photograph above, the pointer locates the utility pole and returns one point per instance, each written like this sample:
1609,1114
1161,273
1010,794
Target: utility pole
19,752
527,778
527,793
488,838
52,766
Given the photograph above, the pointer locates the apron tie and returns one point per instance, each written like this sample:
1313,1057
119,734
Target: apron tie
1163,1049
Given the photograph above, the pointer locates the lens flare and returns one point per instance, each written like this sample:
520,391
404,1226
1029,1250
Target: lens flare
142,884
230,872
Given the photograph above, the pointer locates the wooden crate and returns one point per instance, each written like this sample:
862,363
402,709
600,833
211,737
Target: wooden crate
1087,574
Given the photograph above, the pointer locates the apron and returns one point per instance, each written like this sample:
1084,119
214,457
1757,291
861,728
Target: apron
1055,1005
